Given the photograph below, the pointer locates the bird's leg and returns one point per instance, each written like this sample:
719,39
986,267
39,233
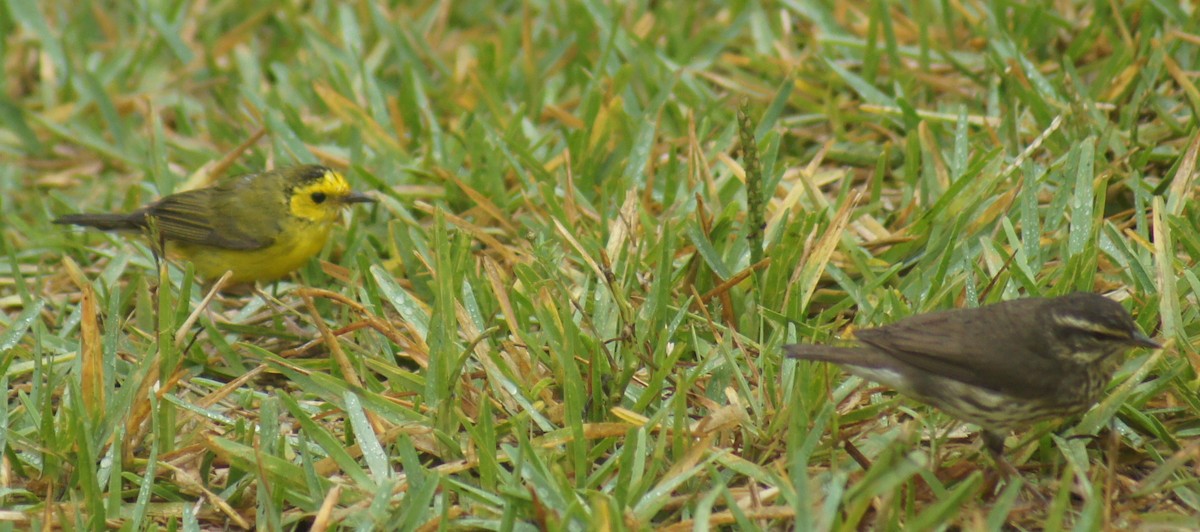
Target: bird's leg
994,441
271,300
282,311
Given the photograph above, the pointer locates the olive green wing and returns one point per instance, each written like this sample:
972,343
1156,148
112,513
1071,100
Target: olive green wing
219,216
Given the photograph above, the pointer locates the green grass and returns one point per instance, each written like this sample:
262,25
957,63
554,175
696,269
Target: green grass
556,316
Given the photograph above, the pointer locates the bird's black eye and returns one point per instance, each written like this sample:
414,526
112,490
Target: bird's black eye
318,197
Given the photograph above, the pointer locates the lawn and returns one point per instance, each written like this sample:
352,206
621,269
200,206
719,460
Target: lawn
598,224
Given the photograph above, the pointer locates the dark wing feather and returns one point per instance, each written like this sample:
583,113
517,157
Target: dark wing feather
984,347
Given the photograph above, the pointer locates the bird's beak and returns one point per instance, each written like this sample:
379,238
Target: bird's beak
1145,341
358,197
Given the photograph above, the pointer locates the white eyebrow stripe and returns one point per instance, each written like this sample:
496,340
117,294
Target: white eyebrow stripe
1071,321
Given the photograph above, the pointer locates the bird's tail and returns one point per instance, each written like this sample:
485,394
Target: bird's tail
866,362
105,222
854,356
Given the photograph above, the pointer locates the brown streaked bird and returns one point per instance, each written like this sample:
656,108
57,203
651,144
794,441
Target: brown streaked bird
1001,366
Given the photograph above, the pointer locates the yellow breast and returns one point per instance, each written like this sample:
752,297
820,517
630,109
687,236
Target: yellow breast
295,245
